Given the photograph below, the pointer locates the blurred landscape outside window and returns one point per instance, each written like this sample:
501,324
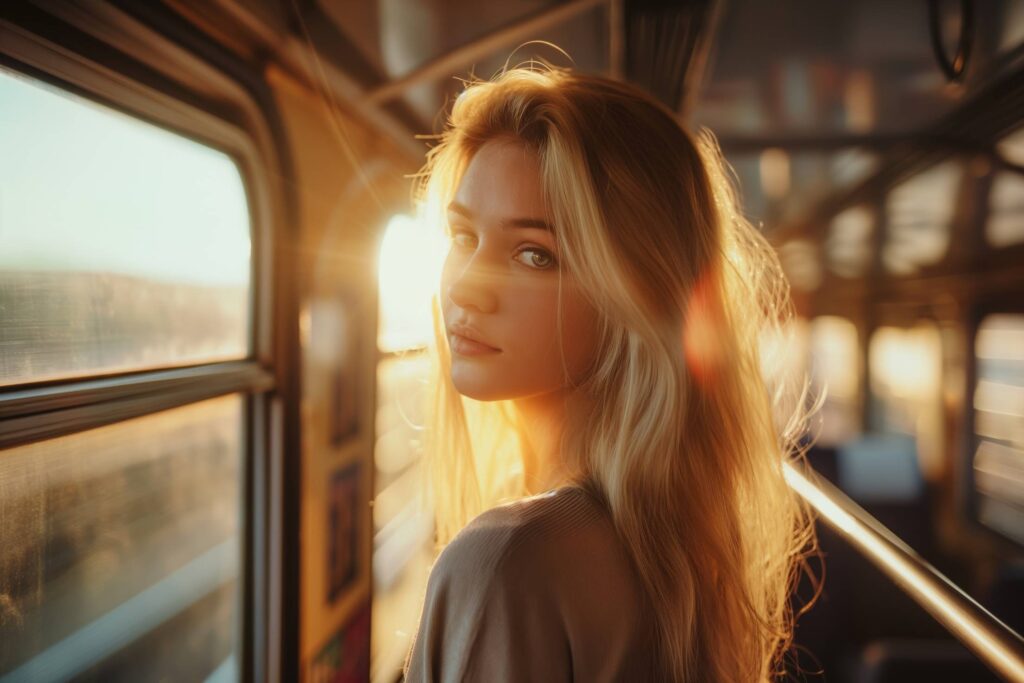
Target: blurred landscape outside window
835,368
998,401
1006,197
801,262
905,378
848,244
919,219
120,549
779,185
784,364
824,352
123,246
409,264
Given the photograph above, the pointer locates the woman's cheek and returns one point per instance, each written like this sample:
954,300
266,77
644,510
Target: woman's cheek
580,335
534,329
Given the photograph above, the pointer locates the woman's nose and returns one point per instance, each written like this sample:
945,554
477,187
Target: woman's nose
475,287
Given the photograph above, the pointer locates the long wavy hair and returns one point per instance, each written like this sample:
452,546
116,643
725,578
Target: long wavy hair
680,431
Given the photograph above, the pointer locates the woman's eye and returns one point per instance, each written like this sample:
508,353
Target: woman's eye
536,258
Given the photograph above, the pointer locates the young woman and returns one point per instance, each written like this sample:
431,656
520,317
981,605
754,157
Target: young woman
605,457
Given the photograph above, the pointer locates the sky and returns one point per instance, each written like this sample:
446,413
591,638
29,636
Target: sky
86,188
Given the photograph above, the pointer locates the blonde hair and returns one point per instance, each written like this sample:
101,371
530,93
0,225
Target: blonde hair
679,432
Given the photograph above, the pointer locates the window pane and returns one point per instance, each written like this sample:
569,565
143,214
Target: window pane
848,247
409,272
119,549
1006,198
122,245
1006,210
999,424
802,265
402,542
835,367
920,219
905,368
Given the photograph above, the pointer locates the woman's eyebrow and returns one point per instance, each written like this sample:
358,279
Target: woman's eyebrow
538,223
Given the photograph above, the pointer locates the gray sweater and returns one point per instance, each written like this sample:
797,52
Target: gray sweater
536,590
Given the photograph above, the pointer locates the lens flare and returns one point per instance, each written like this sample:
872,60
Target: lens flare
702,326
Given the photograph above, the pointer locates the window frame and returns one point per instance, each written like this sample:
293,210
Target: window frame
103,53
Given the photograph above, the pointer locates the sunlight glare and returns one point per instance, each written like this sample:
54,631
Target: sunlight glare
409,269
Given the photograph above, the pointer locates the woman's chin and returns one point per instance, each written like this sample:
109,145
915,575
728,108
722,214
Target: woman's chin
478,393
476,387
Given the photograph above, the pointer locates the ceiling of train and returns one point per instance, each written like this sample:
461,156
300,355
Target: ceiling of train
822,84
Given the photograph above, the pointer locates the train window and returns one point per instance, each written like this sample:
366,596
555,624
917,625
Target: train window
784,355
799,259
810,176
780,185
408,274
919,217
748,170
402,533
905,370
848,246
120,548
123,246
1006,198
834,370
999,424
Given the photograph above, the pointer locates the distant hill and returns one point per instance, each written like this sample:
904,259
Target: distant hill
56,323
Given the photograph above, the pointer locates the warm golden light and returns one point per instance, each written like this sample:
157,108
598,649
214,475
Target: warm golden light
906,374
904,360
1000,337
701,333
835,369
834,345
409,269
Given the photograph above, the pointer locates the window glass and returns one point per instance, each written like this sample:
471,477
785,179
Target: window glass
119,549
1006,210
835,363
403,530
920,218
999,424
1006,198
755,204
781,185
801,264
848,246
905,368
785,354
409,273
122,245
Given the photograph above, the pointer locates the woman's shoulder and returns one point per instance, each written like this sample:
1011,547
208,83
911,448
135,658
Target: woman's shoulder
546,526
562,543
550,566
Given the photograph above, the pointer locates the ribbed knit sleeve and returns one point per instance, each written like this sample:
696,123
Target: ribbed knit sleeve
485,619
538,590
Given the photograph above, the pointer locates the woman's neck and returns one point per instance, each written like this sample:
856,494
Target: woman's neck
541,419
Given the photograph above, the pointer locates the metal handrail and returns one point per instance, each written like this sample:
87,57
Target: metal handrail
995,643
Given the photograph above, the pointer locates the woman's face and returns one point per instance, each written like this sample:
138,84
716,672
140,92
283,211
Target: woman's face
500,284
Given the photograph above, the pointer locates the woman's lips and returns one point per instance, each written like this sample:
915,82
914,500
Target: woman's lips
467,347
